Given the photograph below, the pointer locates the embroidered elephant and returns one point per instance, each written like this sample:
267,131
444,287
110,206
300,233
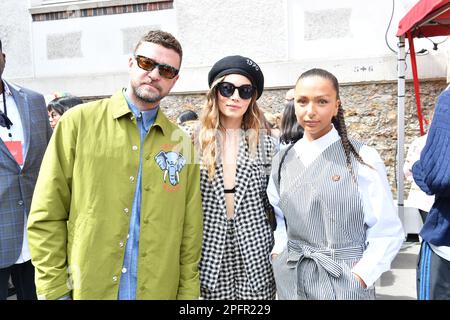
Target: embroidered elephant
171,163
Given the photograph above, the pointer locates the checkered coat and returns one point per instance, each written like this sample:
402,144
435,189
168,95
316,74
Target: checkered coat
16,184
253,231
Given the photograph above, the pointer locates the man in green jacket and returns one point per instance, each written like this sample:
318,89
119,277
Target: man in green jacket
116,213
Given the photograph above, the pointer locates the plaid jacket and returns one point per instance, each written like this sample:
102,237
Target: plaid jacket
253,230
16,184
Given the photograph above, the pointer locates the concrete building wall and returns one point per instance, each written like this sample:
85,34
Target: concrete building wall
347,37
287,37
92,45
87,56
15,33
212,29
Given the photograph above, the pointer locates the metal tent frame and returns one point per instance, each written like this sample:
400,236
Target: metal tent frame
428,18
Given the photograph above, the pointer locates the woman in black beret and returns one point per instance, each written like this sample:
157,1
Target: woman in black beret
236,154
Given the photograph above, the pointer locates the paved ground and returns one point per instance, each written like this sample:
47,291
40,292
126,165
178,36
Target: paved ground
400,282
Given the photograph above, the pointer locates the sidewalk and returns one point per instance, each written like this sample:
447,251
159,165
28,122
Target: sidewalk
400,282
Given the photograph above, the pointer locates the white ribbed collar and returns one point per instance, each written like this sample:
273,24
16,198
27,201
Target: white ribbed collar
308,151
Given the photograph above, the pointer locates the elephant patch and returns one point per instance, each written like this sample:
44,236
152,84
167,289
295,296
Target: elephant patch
171,164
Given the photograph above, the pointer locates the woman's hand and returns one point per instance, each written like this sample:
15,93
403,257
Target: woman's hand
361,281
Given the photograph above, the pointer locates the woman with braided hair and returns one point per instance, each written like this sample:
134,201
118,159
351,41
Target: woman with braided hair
342,230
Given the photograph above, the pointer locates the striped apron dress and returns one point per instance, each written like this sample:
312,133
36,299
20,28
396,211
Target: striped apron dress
325,227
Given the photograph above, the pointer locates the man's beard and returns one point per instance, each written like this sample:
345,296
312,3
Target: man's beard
146,96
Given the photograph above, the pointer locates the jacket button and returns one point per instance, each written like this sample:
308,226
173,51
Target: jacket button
114,279
20,203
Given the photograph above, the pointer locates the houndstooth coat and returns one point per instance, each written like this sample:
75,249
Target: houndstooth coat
253,231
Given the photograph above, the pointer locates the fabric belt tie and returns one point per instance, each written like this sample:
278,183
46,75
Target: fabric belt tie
324,259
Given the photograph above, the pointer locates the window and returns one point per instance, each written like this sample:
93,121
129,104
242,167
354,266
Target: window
45,2
44,10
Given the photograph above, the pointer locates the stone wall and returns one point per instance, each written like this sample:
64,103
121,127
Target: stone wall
211,29
16,38
370,113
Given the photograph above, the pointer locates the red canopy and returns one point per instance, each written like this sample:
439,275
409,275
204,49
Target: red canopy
427,18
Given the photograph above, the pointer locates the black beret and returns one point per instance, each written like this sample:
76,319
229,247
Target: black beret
239,65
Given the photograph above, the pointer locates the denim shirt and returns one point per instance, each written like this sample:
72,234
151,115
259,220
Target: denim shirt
128,280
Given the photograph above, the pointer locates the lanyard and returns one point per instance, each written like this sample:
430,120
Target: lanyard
6,114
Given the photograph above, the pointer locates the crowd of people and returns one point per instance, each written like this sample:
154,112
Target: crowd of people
111,200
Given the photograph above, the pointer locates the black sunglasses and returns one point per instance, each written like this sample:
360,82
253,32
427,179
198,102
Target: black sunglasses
227,89
148,64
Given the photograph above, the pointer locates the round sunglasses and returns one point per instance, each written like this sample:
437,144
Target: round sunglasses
227,89
148,64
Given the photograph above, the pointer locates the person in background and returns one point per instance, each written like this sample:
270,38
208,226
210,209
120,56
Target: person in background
342,227
432,174
187,115
58,106
117,211
54,95
290,129
416,197
235,152
272,123
187,121
24,134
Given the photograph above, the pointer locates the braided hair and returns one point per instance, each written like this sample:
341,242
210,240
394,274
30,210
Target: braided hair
339,123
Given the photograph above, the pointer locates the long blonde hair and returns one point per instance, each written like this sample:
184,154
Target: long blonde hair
211,127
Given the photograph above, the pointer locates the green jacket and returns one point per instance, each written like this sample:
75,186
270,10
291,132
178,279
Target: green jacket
81,208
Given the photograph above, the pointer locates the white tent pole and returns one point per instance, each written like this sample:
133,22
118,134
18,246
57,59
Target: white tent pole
401,66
